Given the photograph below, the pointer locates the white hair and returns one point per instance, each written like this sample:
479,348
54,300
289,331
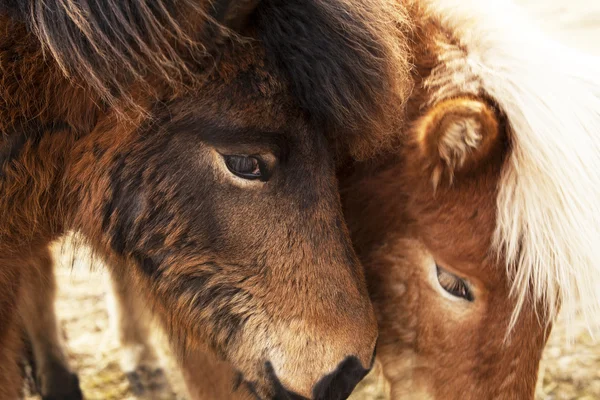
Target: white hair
548,217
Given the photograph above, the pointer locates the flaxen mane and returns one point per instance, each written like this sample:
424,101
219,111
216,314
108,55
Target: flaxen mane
548,219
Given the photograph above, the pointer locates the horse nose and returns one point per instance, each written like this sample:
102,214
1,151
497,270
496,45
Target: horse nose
337,385
340,383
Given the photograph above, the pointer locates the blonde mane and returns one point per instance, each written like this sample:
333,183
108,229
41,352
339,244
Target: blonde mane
548,218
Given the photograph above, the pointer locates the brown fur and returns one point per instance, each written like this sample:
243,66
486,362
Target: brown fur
456,135
34,89
208,378
117,44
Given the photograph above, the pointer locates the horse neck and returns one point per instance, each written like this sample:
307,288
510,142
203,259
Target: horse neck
33,204
42,113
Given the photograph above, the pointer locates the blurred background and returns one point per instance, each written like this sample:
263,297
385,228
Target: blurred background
570,370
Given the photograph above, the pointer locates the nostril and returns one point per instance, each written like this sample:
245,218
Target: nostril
337,385
340,383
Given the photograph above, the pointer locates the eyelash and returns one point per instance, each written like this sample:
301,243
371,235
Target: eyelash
454,285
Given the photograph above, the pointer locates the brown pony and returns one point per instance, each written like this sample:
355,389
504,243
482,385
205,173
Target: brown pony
200,164
483,219
486,220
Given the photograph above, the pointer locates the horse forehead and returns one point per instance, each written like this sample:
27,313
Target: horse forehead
466,211
243,91
457,225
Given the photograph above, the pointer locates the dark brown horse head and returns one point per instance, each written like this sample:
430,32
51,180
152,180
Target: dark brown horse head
230,220
221,195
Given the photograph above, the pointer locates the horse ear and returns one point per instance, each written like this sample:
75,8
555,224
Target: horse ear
234,13
456,135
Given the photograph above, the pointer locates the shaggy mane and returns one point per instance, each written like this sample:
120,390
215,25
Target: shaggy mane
548,217
347,61
109,44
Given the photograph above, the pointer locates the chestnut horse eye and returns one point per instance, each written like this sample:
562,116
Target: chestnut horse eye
454,285
246,167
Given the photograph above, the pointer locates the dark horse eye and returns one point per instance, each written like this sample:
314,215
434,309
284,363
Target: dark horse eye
246,167
454,285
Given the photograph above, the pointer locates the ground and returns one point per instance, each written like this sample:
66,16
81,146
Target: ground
568,371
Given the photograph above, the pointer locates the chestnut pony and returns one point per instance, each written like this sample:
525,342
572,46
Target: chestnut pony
486,219
192,144
479,220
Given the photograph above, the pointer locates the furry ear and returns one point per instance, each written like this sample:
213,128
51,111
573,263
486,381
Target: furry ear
456,135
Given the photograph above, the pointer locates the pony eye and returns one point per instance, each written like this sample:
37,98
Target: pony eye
246,167
454,285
